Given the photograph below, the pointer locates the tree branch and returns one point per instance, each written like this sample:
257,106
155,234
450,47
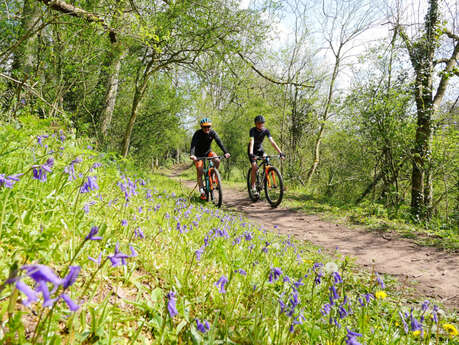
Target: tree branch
261,74
445,76
35,92
74,11
452,35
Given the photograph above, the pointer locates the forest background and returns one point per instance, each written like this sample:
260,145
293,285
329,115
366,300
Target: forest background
362,96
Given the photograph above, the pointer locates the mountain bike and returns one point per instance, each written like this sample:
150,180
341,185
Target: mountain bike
268,178
212,185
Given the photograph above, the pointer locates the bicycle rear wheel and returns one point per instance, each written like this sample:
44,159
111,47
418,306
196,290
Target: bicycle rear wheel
215,193
254,197
274,186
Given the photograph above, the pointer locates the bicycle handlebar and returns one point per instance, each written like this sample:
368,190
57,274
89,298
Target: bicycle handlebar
268,156
209,158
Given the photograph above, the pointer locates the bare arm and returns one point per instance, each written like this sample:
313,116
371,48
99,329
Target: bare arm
275,145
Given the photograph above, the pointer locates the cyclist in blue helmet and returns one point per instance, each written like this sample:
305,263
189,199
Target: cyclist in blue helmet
200,147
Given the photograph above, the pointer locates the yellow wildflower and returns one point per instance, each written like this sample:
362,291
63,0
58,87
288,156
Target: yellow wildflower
417,333
380,294
450,329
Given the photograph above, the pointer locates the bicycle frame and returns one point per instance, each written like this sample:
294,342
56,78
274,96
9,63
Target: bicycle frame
265,165
208,165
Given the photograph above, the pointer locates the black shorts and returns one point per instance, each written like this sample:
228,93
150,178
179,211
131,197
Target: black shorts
258,153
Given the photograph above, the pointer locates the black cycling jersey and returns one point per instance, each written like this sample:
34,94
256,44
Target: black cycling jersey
258,137
200,143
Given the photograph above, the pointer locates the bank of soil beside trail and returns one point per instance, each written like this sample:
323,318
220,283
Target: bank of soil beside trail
432,272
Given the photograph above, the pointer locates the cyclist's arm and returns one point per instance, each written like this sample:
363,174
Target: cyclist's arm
275,145
252,140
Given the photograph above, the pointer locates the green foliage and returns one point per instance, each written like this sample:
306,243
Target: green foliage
184,247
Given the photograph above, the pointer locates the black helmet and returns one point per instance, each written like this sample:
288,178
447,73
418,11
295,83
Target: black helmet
259,118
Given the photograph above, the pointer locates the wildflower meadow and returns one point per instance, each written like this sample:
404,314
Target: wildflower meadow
95,251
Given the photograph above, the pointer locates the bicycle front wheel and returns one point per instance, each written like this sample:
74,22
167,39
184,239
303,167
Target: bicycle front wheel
274,187
253,196
215,193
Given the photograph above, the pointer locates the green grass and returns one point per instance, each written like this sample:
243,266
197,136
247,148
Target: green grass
46,222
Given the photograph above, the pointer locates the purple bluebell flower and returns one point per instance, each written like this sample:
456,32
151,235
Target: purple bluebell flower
325,309
415,325
97,261
293,302
274,274
297,321
282,305
425,306
351,337
87,205
221,284
92,234
71,277
32,296
70,303
334,293
248,236
138,233
199,252
336,278
95,166
202,327
405,325
435,313
380,281
369,297
237,240
124,222
42,273
133,252
286,279
265,248
40,171
298,283
89,185
118,258
61,135
240,271
40,139
70,169
342,312
171,304
9,181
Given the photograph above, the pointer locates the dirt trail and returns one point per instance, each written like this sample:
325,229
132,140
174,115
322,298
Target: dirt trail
433,273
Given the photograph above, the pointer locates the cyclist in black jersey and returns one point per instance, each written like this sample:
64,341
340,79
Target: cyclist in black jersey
200,147
255,148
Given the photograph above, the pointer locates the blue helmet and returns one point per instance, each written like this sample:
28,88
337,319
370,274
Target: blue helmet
205,122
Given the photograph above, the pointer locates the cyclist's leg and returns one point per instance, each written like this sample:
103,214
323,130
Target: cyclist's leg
253,162
215,160
199,169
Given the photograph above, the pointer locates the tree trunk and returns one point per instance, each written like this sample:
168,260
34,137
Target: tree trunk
138,94
422,56
112,91
23,60
316,159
